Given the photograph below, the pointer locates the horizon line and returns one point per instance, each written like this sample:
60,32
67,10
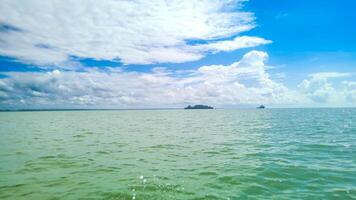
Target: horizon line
175,108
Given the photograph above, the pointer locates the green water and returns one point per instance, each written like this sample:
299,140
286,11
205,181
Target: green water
179,154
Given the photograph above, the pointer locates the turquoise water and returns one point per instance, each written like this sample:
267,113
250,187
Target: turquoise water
179,154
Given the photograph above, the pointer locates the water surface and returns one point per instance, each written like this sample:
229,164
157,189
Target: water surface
179,154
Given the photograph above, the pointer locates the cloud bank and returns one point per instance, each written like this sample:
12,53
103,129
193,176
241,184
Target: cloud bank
246,81
243,82
50,33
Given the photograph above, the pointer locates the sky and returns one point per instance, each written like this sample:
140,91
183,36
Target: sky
169,54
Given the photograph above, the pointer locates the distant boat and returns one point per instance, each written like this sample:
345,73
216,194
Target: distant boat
199,107
261,107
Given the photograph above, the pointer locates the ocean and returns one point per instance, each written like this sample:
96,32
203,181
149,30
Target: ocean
179,154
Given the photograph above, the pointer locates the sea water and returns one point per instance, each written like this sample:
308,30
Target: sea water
179,154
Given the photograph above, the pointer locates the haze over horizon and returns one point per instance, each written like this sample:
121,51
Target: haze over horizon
139,54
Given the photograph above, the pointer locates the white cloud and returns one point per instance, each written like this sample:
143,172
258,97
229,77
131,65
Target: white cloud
237,43
350,90
140,32
243,82
320,89
327,75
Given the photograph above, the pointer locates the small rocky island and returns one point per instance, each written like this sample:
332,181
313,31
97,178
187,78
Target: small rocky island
199,107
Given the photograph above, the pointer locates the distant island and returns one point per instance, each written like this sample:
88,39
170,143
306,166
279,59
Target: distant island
199,107
261,107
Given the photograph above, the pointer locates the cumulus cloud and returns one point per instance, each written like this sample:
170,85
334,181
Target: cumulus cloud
350,91
320,89
134,32
243,82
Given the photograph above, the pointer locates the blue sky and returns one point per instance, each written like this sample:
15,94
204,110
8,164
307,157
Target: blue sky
309,36
298,48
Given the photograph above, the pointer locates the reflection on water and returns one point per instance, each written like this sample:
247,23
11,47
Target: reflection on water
179,154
